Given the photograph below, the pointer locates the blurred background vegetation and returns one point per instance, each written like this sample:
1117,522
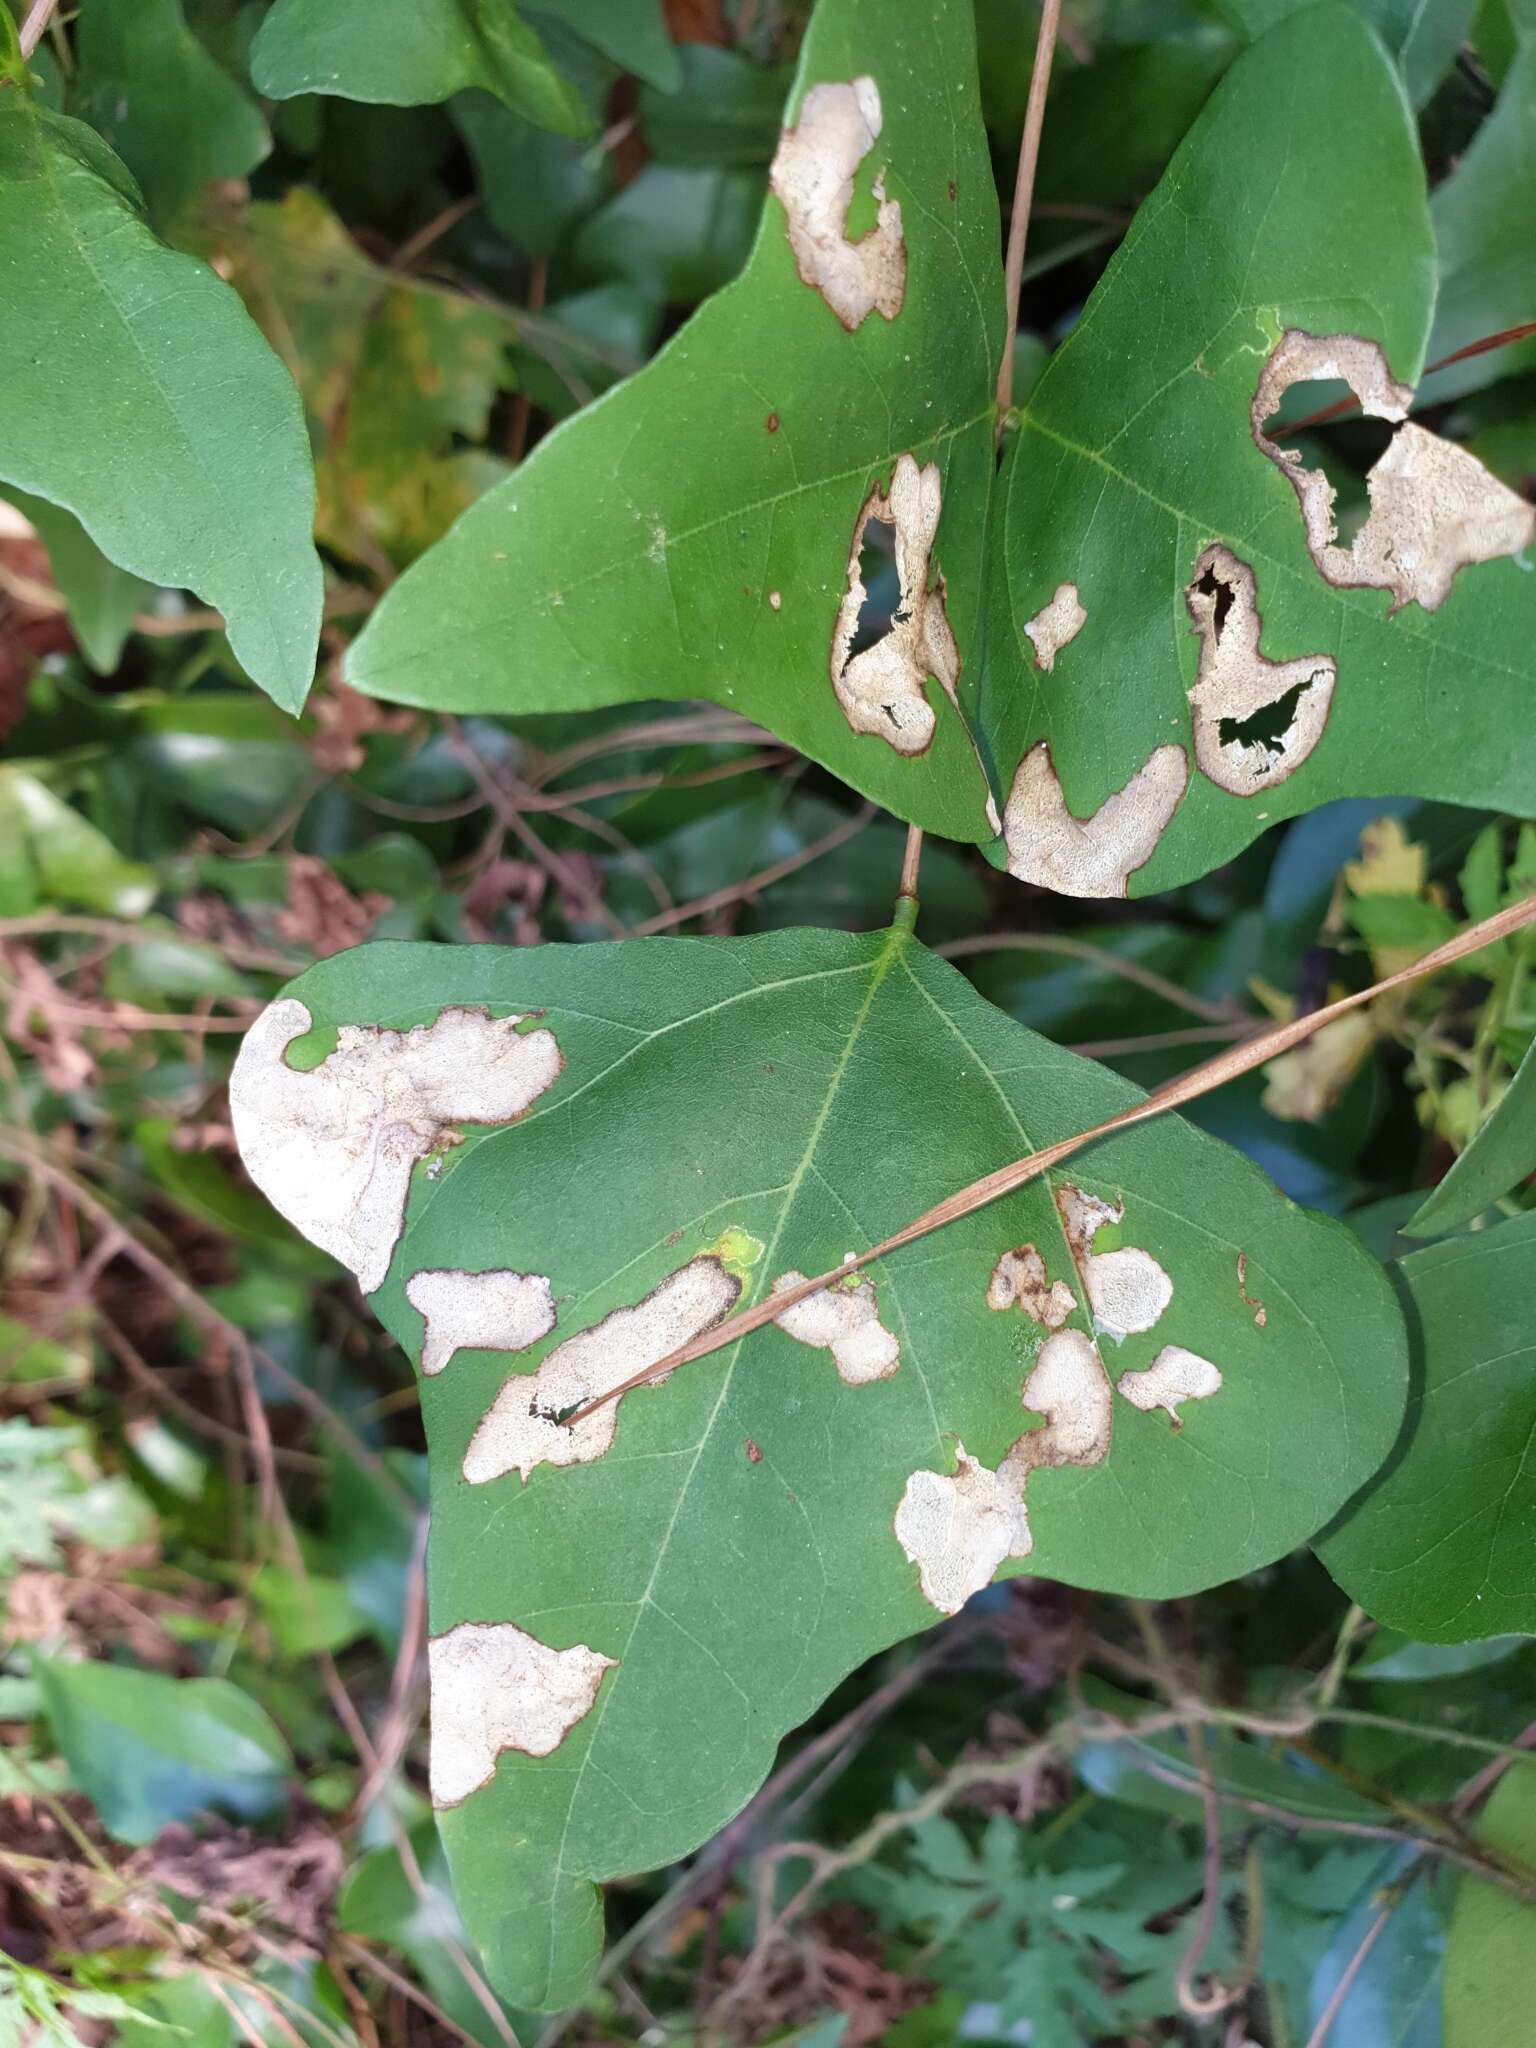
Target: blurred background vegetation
212,1681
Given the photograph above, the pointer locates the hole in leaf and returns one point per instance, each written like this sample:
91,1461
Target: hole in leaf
882,587
1268,725
1211,585
1343,449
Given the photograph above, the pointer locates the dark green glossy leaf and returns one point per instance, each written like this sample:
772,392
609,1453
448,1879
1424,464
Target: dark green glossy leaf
101,598
1442,1543
725,1112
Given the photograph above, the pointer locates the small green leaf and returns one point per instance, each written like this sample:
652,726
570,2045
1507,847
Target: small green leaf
725,1113
101,599
1502,1152
50,854
724,110
1490,1992
411,53
149,1750
175,117
51,1490
306,1611
141,398
1439,1544
633,33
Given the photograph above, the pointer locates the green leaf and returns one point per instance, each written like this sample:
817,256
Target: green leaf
306,1611
727,1112
724,109
1439,1545
411,53
175,117
536,186
53,1491
100,598
1422,35
149,1750
1502,1153
1490,1994
49,854
187,466
633,34
1485,226
1401,1660
674,232
1295,206
689,534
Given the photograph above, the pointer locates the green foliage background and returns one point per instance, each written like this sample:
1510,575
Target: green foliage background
420,237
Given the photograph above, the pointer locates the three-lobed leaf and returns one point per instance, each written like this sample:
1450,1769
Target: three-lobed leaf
725,1113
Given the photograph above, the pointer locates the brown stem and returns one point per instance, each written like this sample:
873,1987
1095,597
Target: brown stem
35,27
1024,190
910,861
1212,1073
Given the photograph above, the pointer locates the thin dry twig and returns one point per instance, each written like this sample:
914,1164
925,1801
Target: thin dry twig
1023,192
1097,956
35,27
1212,1073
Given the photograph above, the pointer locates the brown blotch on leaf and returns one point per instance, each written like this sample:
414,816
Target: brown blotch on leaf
812,177
1055,625
1255,720
1260,1312
772,423
754,1454
1096,855
1435,509
494,1687
882,689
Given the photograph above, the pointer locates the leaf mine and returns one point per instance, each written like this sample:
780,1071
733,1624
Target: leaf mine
883,688
846,1322
812,177
1094,856
1175,1375
496,1311
1127,1290
1019,1280
1055,625
957,1528
521,1429
1255,720
1434,507
494,1687
332,1149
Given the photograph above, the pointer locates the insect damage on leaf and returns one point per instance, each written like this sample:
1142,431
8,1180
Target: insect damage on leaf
812,176
1255,720
494,1687
958,1527
497,1311
883,688
522,1427
845,1321
1127,1289
1094,856
1434,507
1055,625
1019,1280
332,1149
1175,1375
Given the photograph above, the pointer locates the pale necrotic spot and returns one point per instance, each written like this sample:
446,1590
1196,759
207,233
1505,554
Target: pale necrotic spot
846,1322
1434,508
812,176
883,688
521,1429
1127,1290
500,1311
1175,1375
957,1528
1019,1280
1093,856
1070,1388
496,1688
1255,720
1055,624
332,1149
